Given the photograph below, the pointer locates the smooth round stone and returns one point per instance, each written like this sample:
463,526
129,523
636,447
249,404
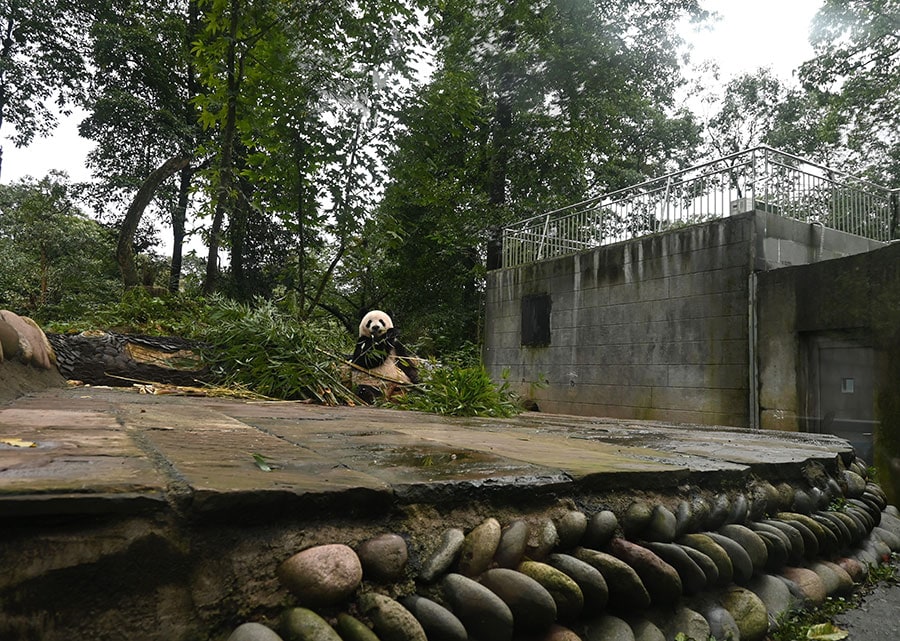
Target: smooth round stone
887,537
824,539
608,628
842,526
570,528
661,579
301,623
803,502
785,496
532,606
513,542
628,592
740,560
854,569
546,539
700,509
593,585
719,512
749,613
721,623
253,632
834,488
645,630
809,583
776,550
352,629
892,510
754,546
682,620
683,516
879,549
889,522
600,529
662,525
565,591
636,518
819,498
482,613
438,622
773,592
710,569
853,484
865,558
740,507
444,556
794,536
837,581
559,633
765,496
715,552
837,534
383,557
797,595
693,578
322,575
478,548
391,621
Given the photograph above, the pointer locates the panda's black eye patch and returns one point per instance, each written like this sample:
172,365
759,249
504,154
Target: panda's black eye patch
369,323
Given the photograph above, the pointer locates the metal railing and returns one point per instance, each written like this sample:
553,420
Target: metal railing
761,178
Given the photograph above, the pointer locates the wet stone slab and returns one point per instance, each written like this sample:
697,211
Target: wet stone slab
209,456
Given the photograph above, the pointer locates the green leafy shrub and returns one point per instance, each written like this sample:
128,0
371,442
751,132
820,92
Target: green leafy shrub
459,391
141,312
271,353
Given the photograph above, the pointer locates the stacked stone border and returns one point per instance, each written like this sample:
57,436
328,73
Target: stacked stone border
725,566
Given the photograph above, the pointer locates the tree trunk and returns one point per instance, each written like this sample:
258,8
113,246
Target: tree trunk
179,218
124,250
224,197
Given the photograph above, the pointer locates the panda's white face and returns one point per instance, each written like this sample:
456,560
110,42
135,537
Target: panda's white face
374,324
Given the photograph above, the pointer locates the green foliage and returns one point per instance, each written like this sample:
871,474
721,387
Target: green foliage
855,76
267,351
530,107
459,391
54,261
41,59
138,311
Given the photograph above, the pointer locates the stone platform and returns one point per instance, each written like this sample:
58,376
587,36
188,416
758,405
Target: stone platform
128,515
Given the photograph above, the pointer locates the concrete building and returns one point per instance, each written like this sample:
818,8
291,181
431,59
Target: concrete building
752,320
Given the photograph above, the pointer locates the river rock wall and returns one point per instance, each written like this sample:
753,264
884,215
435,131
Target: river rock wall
728,566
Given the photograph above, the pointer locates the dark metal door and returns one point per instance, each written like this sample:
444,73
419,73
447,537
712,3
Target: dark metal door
847,395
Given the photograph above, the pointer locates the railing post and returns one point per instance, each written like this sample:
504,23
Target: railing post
895,214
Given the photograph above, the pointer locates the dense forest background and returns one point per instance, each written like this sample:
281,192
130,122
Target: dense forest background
334,157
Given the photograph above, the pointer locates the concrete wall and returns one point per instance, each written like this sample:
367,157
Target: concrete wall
654,328
854,300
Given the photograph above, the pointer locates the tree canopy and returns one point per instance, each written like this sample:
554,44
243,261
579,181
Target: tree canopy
344,156
42,58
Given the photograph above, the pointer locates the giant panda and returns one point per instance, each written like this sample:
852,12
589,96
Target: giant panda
380,352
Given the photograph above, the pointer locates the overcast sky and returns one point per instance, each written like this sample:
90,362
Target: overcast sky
750,35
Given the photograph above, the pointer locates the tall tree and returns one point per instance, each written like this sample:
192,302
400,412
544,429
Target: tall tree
300,108
140,114
42,62
534,105
54,260
855,74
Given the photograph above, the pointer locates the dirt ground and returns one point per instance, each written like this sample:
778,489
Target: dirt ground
17,379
